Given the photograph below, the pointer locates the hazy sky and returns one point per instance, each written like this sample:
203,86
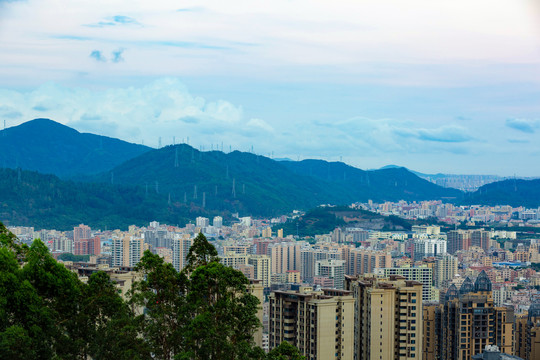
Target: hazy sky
437,86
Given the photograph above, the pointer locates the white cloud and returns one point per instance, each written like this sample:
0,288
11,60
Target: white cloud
386,41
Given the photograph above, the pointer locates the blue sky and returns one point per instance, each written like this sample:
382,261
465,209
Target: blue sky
435,86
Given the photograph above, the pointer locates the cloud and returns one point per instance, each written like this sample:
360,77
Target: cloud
260,124
528,126
191,9
40,108
115,21
518,141
98,56
161,108
450,134
117,56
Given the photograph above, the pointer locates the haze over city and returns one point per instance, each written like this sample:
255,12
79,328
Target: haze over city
436,87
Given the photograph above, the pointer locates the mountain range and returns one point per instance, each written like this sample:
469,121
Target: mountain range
49,147
119,180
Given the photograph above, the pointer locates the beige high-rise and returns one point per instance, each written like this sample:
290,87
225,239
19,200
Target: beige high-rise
285,256
527,336
388,317
466,322
319,323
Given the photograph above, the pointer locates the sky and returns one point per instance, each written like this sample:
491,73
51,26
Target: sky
436,86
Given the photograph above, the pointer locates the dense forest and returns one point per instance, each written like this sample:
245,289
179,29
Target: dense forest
203,312
323,220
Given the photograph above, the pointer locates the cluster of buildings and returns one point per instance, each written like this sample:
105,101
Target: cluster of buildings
453,214
352,293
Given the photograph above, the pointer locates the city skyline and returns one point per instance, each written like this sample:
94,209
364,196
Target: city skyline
444,88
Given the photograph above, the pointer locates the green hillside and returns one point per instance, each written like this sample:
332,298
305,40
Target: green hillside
390,184
49,147
44,201
236,182
323,220
508,192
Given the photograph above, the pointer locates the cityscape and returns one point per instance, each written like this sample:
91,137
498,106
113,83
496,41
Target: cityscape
269,180
423,277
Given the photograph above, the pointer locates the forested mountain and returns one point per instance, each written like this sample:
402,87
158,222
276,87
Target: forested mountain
252,184
508,192
392,184
236,182
52,148
323,220
45,201
131,184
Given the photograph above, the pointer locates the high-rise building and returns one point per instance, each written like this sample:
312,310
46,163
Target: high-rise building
387,317
481,238
202,222
318,323
363,261
180,251
285,256
217,222
331,269
423,274
82,232
310,257
90,246
127,251
527,336
444,270
466,322
261,267
428,248
267,232
458,240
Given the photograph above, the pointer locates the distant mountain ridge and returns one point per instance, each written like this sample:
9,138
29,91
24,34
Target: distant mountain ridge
204,182
514,192
49,147
29,198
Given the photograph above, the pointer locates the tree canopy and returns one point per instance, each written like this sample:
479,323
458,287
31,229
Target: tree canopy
203,312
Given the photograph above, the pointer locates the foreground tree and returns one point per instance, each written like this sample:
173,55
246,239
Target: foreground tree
46,312
204,312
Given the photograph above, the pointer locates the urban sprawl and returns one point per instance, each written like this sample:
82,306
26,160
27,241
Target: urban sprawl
464,285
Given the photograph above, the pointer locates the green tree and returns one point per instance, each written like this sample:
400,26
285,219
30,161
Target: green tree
46,312
284,351
200,253
162,295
